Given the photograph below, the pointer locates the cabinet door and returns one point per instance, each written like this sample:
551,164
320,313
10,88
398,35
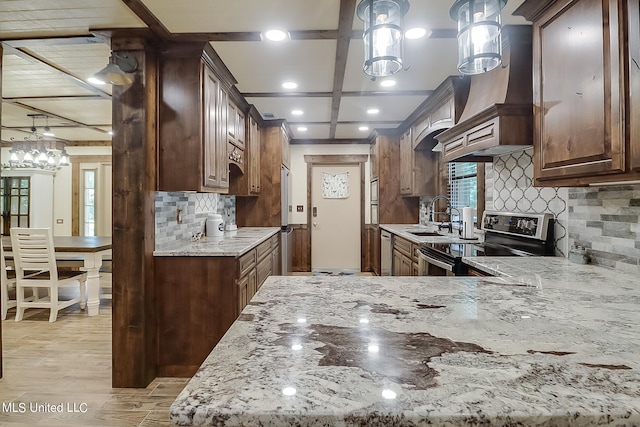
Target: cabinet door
254,156
407,266
578,90
634,82
211,117
240,128
275,261
223,163
396,265
263,270
243,293
406,164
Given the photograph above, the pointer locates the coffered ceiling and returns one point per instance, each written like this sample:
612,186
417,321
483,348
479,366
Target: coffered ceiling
51,48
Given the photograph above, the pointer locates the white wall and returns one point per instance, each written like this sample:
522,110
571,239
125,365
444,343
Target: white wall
299,173
62,188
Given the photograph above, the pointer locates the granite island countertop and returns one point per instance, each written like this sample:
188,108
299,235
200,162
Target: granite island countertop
233,243
410,351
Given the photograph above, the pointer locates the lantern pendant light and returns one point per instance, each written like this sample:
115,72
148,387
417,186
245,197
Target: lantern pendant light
383,34
479,34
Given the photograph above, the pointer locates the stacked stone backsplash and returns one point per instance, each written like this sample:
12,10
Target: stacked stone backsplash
195,208
606,221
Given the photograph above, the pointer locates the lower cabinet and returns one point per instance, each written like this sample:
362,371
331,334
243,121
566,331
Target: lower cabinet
405,259
260,263
198,299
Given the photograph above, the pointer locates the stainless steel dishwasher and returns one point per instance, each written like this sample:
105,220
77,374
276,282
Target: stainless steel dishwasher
385,253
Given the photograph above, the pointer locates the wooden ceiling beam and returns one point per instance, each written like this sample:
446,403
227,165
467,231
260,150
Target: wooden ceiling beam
330,141
345,32
51,41
425,93
145,15
71,143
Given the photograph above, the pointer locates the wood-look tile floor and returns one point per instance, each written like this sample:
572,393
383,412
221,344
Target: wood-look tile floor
68,362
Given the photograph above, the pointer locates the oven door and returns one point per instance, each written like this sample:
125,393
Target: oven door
430,266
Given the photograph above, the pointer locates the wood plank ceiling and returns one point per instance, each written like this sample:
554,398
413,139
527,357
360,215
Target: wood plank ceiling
52,47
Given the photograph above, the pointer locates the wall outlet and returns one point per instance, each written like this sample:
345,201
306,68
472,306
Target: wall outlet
299,208
59,221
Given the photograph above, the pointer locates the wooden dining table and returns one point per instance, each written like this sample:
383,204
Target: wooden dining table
89,249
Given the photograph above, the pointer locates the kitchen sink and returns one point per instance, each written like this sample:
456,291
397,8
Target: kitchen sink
425,233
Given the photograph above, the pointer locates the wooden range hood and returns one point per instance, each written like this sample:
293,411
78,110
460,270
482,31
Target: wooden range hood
498,116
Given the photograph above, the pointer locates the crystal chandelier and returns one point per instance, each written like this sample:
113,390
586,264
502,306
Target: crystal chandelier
35,151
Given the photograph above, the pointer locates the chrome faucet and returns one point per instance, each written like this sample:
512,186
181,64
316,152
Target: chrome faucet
448,210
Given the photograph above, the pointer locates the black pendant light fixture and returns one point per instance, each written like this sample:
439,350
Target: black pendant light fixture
383,34
479,34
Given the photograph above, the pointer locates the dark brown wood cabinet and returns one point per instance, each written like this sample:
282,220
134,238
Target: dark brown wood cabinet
392,207
265,209
405,259
584,81
418,168
192,124
194,314
246,181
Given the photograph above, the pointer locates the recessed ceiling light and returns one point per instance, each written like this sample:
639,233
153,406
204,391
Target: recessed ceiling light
110,132
387,83
415,33
363,128
95,81
373,111
275,35
302,129
289,85
297,112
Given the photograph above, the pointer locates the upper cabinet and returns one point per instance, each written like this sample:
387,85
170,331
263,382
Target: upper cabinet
192,121
248,182
236,125
419,163
585,67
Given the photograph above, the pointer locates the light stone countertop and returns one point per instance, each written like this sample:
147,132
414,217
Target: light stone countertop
406,231
231,244
414,351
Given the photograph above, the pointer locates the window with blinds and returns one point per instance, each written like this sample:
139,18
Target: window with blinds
463,186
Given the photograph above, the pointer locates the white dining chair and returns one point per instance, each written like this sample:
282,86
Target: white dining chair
35,265
6,283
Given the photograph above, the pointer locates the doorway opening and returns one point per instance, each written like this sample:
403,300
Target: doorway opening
336,197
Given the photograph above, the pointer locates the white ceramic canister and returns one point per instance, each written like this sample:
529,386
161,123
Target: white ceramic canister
214,225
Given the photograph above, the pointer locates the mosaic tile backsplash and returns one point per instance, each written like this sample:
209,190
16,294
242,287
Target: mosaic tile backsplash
195,208
512,190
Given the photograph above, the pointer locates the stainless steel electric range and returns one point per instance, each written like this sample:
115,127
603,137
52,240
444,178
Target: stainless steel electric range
506,234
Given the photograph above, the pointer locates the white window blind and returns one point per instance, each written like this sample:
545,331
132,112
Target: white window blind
463,185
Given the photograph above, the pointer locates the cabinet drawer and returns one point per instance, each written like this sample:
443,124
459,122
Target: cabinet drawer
263,270
247,262
275,240
263,249
402,245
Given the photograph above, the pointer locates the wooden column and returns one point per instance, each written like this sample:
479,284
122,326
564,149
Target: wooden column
1,160
134,184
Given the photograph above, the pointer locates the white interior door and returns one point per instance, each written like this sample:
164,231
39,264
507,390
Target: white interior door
335,217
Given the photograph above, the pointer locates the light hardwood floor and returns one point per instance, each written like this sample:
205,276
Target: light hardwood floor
68,362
